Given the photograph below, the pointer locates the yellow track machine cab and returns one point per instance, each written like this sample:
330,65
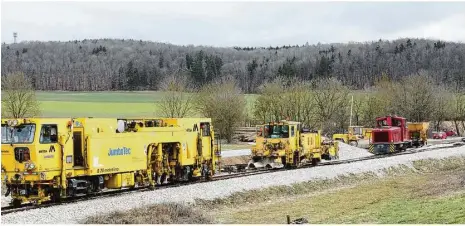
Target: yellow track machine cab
286,144
50,158
353,135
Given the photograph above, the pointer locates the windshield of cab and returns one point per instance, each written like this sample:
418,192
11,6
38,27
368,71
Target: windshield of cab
277,131
357,131
21,134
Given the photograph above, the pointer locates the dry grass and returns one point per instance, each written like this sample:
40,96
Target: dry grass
433,191
272,193
157,214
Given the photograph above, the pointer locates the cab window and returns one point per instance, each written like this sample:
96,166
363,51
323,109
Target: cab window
21,134
285,131
5,134
205,129
292,131
22,154
48,134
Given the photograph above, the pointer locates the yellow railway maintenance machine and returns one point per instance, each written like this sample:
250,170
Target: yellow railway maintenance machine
51,158
355,134
286,144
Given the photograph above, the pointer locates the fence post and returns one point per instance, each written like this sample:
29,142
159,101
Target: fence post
288,219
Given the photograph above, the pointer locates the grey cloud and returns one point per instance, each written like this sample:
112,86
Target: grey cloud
222,24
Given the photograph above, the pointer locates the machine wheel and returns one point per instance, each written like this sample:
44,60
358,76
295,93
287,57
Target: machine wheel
314,161
55,195
163,178
353,143
16,203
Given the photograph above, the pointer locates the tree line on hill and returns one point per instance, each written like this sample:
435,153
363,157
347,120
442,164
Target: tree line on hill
111,64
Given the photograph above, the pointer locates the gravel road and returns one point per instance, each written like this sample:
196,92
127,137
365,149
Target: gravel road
76,212
233,153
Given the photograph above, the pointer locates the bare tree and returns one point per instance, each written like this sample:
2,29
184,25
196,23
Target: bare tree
278,101
223,102
18,97
372,107
297,103
269,105
459,111
442,106
415,97
331,100
358,105
382,103
178,96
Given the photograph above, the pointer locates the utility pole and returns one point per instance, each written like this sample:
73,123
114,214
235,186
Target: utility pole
351,105
15,35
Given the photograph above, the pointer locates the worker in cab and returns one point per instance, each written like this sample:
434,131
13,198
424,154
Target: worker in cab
53,135
260,132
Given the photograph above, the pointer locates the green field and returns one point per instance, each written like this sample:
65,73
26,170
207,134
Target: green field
102,104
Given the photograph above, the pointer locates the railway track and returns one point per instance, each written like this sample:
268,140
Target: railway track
224,176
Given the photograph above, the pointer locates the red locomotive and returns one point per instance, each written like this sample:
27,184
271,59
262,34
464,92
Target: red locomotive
390,135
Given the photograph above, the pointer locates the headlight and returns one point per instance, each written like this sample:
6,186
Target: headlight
12,122
31,166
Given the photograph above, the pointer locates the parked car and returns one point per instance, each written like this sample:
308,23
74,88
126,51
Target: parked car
451,133
439,135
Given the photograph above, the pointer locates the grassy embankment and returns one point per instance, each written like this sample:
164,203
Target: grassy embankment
432,192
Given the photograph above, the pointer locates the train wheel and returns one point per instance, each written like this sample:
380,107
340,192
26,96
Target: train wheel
353,143
55,195
314,161
163,179
16,203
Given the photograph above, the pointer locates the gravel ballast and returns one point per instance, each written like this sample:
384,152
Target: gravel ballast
77,212
350,152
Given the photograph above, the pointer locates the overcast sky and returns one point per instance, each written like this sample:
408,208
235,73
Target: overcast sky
233,23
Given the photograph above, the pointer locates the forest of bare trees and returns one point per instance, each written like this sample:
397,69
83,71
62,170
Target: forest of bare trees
110,64
326,103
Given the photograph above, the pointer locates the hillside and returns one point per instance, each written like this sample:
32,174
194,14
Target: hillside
110,64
